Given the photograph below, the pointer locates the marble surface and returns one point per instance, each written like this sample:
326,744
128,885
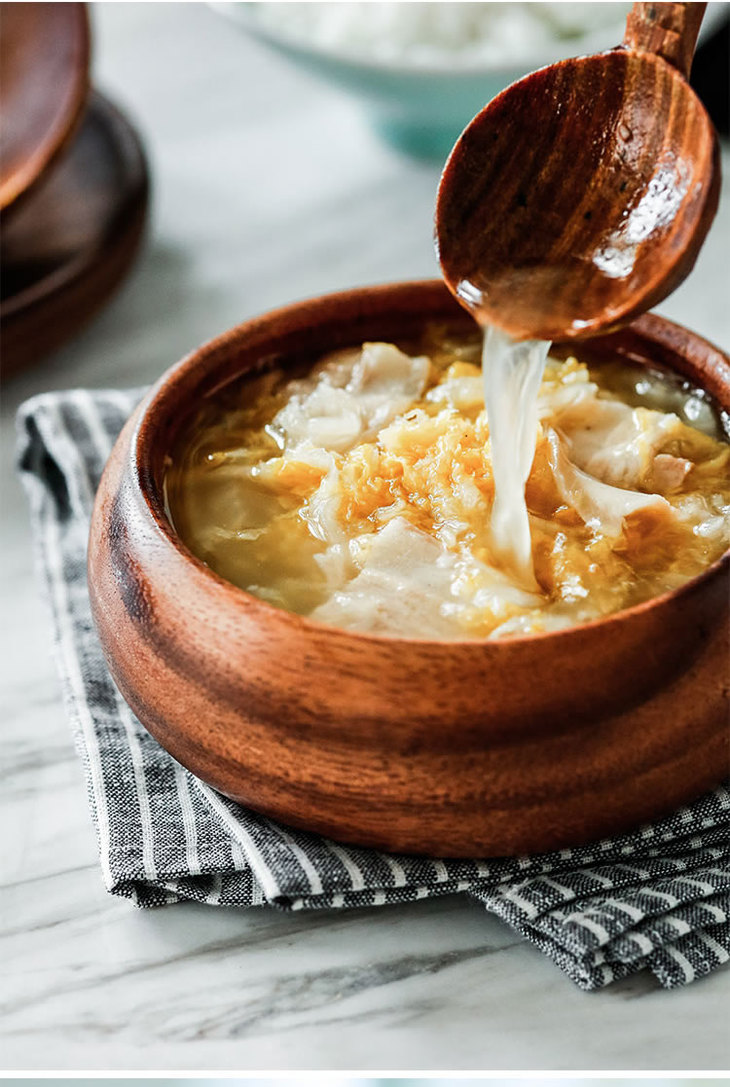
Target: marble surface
268,187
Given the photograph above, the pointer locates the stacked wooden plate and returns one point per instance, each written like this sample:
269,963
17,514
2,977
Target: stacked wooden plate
73,183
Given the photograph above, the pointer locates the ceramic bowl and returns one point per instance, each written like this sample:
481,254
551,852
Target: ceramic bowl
459,748
421,106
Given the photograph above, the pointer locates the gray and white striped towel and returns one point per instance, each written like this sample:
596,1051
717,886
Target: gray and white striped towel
656,898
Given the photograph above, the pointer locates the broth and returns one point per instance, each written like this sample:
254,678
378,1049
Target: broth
512,373
363,494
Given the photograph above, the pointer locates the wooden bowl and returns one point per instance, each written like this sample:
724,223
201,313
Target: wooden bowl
459,748
44,82
71,243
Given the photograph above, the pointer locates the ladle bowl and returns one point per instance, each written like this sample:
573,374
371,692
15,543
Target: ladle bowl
581,195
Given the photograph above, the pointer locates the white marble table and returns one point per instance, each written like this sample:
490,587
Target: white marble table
268,187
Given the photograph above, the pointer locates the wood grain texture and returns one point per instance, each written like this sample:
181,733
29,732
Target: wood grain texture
68,246
446,748
669,30
44,82
581,195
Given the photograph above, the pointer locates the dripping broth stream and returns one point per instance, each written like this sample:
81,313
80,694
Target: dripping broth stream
512,371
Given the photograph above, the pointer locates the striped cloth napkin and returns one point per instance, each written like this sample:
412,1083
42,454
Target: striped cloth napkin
658,898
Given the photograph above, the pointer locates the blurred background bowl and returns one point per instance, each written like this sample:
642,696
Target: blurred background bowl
421,93
44,83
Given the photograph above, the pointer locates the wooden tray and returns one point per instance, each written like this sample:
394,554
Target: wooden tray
69,244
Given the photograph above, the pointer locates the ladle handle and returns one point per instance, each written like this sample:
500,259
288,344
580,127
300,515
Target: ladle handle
667,29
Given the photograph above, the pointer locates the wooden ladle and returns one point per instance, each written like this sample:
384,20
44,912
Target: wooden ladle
580,196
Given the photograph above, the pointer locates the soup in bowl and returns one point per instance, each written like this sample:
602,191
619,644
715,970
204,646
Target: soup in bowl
486,729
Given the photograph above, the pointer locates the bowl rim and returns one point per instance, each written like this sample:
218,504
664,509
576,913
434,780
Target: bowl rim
142,441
